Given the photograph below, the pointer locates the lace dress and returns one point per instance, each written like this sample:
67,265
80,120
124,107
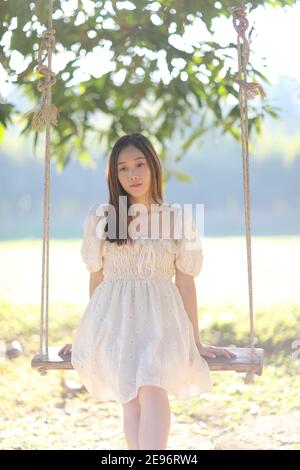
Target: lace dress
135,330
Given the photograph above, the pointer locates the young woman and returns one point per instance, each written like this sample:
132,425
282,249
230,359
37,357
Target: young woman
138,339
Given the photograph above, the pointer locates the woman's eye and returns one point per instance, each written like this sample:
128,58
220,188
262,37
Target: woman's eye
124,168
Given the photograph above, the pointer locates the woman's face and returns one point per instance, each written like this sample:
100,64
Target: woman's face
133,168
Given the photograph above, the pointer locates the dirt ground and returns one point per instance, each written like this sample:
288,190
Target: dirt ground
42,413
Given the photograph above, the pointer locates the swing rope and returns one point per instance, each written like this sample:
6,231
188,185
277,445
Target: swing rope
246,91
45,116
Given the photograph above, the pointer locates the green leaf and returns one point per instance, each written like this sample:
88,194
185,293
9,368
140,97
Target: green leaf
84,156
2,132
198,133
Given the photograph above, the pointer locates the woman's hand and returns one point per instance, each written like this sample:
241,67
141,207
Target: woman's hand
213,351
65,350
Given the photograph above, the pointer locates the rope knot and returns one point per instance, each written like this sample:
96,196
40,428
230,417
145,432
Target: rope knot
46,113
241,23
49,37
251,89
239,19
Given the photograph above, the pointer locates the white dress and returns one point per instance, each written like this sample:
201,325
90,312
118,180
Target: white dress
135,330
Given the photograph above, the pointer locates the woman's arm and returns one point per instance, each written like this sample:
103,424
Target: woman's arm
186,286
187,289
95,279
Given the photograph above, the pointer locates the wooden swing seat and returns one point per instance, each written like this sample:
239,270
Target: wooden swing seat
241,363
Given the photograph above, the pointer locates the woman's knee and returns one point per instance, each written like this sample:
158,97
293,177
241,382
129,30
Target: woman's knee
151,391
131,409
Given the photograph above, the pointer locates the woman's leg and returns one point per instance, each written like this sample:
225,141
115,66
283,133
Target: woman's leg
155,418
131,418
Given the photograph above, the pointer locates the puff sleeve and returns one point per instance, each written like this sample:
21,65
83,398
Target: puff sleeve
189,252
92,244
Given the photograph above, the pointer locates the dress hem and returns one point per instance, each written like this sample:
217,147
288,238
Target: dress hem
176,395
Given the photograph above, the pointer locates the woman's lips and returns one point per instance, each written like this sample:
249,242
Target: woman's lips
136,185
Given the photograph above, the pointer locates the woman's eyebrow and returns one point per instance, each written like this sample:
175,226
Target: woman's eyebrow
137,158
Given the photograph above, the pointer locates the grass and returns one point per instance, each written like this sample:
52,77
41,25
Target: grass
40,412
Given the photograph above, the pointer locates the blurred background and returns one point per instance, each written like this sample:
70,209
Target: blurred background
209,172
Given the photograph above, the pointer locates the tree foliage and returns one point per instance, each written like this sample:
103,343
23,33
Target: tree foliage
143,37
